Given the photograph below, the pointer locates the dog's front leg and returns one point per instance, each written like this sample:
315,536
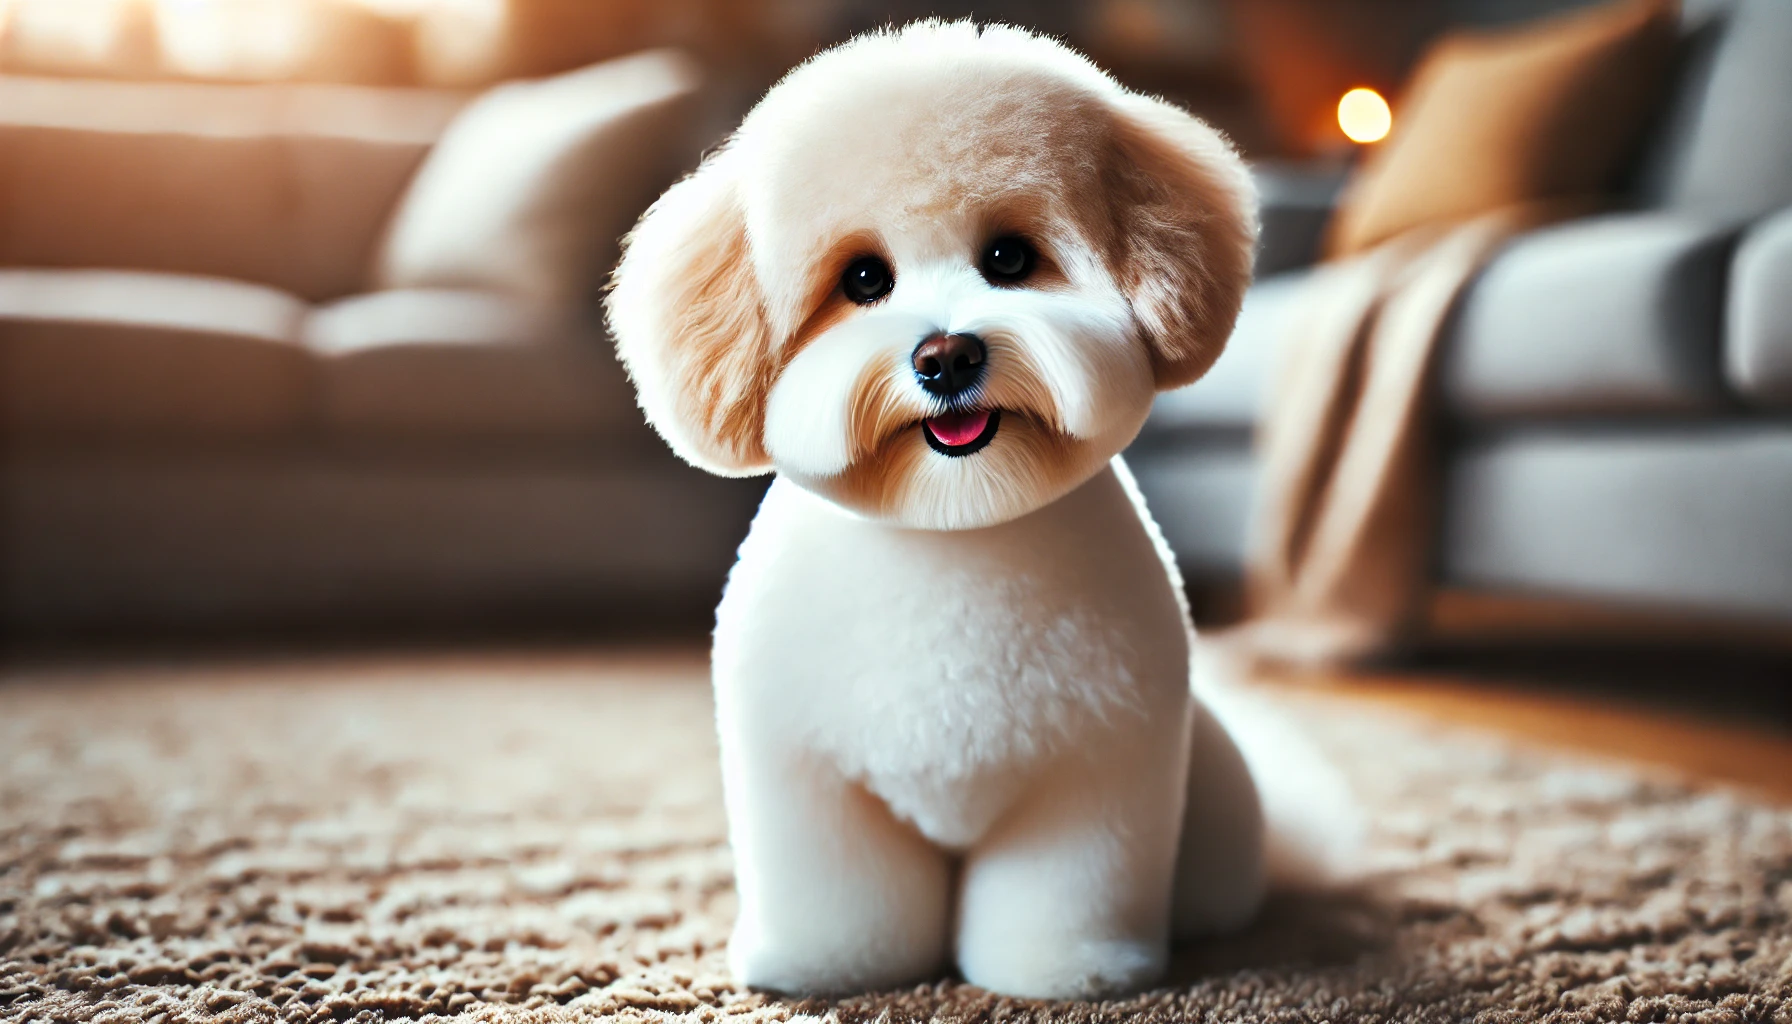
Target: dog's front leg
1070,896
836,895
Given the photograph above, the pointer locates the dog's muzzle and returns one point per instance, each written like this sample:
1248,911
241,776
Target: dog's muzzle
949,366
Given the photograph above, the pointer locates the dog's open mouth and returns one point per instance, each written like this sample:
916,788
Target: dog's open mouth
961,433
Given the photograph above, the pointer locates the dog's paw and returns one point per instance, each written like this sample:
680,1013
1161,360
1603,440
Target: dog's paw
818,964
1052,968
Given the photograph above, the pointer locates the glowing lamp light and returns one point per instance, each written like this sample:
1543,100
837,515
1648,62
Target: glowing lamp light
1364,116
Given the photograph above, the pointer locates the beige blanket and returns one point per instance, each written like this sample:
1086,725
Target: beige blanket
1339,558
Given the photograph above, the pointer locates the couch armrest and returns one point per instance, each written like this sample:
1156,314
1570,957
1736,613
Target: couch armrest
1614,314
1758,346
1296,201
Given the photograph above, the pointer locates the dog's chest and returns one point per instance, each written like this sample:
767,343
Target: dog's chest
945,670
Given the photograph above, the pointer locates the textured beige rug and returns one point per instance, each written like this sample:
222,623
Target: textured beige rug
541,840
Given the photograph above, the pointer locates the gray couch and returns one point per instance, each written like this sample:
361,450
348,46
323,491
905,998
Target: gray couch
229,398
1617,391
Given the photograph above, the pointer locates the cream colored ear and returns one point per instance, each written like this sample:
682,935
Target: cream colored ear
1185,216
688,317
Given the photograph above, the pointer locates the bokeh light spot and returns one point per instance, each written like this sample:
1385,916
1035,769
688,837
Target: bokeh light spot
1364,116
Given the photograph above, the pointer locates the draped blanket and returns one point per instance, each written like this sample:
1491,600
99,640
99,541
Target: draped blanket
1340,555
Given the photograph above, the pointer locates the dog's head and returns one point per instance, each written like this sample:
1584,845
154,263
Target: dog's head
936,276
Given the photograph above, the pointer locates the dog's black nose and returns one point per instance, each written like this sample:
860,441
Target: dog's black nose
949,363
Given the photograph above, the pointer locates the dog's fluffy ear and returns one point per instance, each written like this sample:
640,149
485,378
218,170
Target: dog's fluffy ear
1185,217
689,321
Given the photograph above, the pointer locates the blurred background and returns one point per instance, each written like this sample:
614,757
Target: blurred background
1269,72
299,332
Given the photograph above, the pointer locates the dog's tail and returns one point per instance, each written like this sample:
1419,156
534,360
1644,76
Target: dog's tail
1313,823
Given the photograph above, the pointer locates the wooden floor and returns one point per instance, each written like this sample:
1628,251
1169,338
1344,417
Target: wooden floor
1695,663
1734,752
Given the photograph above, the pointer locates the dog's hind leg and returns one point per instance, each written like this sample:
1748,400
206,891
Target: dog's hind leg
1265,810
1221,869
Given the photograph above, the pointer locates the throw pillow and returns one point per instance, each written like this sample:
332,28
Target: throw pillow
533,183
1548,110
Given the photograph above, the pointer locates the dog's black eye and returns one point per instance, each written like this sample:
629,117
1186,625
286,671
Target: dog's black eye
1008,260
866,280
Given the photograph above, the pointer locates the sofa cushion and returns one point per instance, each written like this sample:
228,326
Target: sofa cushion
1733,155
437,364
1612,314
533,184
1679,514
350,154
1758,350
1235,391
131,355
288,186
306,538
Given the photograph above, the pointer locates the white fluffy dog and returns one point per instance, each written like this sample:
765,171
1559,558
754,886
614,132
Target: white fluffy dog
933,282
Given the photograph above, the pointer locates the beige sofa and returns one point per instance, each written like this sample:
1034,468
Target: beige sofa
277,354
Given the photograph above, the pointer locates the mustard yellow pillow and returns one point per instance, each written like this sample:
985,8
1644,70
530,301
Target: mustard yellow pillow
1548,110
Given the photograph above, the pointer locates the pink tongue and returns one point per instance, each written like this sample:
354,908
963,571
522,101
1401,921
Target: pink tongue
956,429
